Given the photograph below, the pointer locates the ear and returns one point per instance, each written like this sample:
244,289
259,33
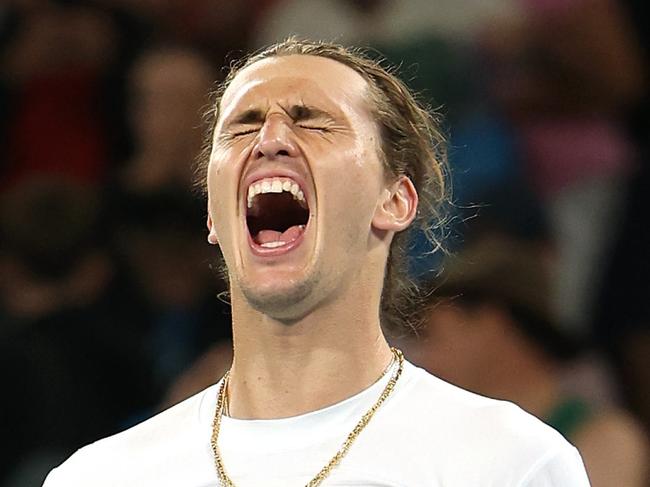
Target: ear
397,207
212,236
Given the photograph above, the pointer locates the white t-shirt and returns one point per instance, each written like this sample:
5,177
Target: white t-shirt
427,433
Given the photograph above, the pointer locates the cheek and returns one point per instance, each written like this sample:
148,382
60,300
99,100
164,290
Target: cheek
224,167
219,158
222,191
354,185
351,208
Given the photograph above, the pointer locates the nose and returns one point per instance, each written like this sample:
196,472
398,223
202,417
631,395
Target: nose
275,140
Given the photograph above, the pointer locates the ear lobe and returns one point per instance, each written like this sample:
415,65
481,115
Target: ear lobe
212,236
398,208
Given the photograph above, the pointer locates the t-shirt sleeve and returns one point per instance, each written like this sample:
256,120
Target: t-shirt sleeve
68,474
560,468
51,480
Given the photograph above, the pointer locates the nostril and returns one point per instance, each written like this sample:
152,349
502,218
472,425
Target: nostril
272,154
272,147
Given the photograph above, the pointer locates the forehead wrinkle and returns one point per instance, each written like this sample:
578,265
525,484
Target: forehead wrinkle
252,77
285,92
227,107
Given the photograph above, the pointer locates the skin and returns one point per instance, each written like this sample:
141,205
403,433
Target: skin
306,328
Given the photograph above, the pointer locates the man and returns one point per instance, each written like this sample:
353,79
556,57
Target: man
318,159
491,310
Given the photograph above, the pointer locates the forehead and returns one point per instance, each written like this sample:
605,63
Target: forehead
312,80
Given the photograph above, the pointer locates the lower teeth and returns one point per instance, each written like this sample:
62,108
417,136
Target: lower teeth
272,245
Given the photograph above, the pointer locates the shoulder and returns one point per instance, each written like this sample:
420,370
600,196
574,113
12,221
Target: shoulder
145,447
497,437
438,403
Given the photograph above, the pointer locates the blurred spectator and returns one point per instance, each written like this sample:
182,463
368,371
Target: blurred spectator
358,22
168,262
205,371
216,27
155,217
72,363
488,327
167,91
52,68
623,324
566,74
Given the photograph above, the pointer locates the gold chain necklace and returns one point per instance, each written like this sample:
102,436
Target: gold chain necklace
318,479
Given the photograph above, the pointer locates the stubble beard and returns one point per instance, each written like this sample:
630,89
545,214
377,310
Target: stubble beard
287,304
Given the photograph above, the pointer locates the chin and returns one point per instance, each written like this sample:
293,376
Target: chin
280,300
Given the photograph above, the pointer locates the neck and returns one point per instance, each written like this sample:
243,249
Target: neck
282,370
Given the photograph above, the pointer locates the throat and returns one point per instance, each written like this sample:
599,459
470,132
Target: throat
300,388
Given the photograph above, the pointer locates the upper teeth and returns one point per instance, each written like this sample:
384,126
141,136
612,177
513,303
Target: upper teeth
274,185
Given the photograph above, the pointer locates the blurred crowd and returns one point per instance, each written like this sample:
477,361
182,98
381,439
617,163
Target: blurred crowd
109,303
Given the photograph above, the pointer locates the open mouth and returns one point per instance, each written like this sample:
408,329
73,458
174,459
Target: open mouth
277,213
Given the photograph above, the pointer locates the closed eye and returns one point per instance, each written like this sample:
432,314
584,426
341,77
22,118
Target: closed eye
246,131
315,128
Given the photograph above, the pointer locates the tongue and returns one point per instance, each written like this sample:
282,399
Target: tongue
290,234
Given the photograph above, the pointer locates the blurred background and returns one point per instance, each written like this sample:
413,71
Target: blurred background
108,303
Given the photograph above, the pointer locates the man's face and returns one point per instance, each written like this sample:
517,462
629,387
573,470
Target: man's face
294,182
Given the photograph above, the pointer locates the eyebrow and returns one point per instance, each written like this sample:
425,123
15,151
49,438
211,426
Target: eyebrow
298,113
301,113
254,115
